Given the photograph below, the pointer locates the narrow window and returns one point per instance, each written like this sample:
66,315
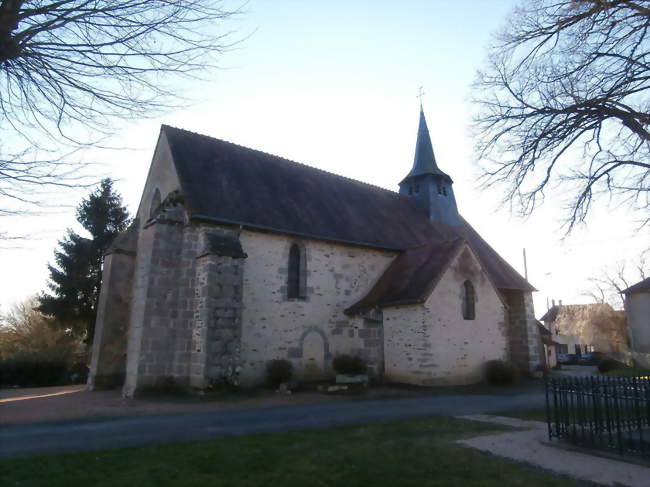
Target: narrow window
417,188
439,189
444,190
155,203
469,299
293,283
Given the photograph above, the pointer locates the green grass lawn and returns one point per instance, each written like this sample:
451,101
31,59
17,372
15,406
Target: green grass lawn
418,452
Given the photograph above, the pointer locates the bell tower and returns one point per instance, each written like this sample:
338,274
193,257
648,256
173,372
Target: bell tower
427,184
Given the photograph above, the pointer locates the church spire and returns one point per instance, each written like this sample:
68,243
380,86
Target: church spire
427,184
424,161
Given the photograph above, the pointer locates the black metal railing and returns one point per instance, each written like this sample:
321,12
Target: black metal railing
611,413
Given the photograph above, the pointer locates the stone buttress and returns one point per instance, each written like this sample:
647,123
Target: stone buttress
185,318
217,328
108,358
523,335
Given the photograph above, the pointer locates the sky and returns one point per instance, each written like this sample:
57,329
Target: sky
334,85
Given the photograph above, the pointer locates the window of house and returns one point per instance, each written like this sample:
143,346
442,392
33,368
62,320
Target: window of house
444,190
439,189
469,300
563,348
296,277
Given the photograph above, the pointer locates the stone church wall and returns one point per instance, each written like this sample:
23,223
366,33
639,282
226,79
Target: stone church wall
309,331
432,344
524,344
216,328
200,317
162,309
108,358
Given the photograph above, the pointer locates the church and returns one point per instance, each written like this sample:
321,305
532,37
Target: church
237,257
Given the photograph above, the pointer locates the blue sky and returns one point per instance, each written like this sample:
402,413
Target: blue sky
333,85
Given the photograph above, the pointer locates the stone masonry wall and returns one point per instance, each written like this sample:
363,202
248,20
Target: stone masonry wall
523,335
310,331
108,359
200,317
216,335
162,309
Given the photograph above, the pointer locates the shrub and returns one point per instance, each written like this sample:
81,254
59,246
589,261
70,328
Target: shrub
608,364
33,370
278,371
500,373
166,385
77,373
349,364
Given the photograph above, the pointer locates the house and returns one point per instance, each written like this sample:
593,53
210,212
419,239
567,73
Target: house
578,329
238,257
637,308
548,347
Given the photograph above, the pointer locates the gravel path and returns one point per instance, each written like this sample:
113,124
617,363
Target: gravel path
532,446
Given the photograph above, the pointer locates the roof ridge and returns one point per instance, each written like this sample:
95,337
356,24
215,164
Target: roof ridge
284,159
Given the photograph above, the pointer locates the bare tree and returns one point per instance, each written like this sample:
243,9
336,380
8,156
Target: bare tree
564,105
608,286
70,68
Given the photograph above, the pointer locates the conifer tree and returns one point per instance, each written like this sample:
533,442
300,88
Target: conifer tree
76,278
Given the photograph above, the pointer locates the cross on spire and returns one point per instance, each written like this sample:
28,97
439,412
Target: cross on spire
420,95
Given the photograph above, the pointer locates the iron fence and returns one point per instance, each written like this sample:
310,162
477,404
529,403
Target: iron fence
611,413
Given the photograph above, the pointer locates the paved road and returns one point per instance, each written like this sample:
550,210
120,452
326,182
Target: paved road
31,439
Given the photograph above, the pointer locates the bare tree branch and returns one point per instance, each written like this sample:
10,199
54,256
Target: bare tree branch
69,69
608,286
563,104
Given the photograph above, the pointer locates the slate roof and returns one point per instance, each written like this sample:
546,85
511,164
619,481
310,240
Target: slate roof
227,183
411,277
545,334
551,314
639,287
424,161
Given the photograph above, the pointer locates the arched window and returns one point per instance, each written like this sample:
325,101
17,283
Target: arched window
469,300
296,272
155,203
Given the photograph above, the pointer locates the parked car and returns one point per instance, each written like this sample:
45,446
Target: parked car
587,359
592,358
566,358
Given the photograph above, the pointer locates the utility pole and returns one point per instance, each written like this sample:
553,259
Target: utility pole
525,265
